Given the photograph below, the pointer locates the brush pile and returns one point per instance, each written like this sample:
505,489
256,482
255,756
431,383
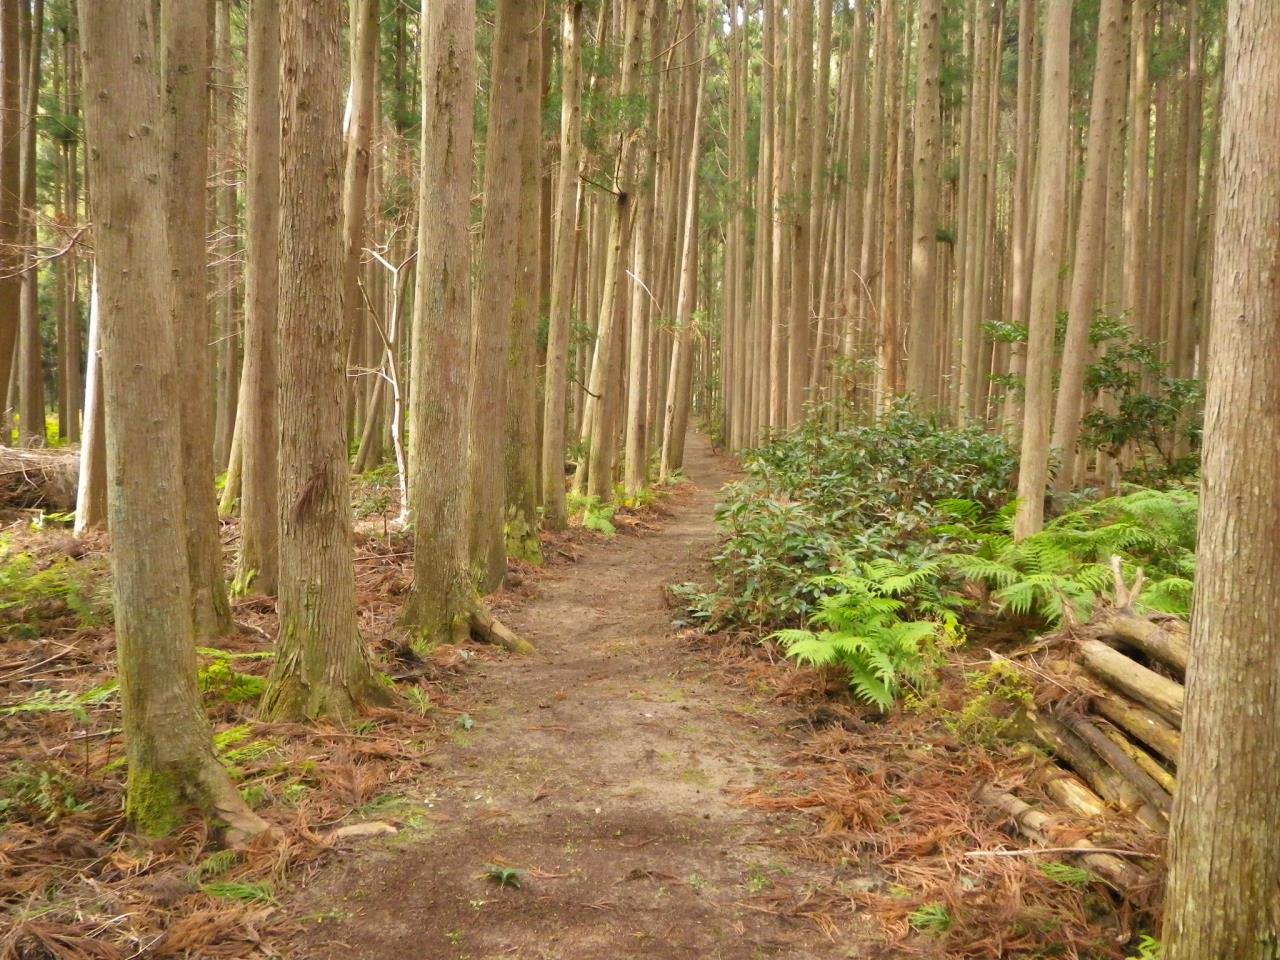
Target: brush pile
38,479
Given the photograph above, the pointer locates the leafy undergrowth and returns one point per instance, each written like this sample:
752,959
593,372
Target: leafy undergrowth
73,882
895,817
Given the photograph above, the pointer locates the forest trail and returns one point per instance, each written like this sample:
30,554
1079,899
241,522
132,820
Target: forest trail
606,768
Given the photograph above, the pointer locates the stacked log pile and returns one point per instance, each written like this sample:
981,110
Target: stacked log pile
42,479
1109,715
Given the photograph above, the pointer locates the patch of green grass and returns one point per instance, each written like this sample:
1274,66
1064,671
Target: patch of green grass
1068,874
932,918
260,892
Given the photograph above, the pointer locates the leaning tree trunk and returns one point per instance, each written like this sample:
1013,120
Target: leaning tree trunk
171,762
1225,867
186,103
322,666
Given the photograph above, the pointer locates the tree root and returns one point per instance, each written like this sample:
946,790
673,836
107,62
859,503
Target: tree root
485,626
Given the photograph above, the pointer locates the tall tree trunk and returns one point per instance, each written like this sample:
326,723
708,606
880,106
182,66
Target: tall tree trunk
185,67
359,137
801,36
171,762
258,561
31,346
442,599
91,487
496,292
1086,270
1051,202
322,667
1225,863
924,330
563,275
11,125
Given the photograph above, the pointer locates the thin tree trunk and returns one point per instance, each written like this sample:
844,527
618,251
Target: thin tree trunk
11,125
1051,201
31,347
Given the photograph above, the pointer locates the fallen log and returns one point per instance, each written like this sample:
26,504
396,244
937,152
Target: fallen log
1070,791
1149,764
1122,763
1141,724
1111,786
486,627
1039,827
42,479
1149,638
1131,678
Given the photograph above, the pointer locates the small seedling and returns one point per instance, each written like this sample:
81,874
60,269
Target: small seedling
1068,875
504,876
932,918
464,722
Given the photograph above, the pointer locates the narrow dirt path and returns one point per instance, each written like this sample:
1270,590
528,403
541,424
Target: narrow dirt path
606,769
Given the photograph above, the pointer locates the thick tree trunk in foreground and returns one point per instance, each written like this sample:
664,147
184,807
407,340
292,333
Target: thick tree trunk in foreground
442,599
1051,203
322,666
258,561
1225,867
186,104
171,761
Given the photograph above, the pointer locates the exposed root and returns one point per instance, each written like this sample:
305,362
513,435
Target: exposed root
485,626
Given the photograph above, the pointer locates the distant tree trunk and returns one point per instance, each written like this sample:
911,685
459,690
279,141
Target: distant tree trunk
1051,201
91,489
11,125
801,30
171,762
359,136
322,667
521,447
1135,212
676,419
496,291
924,331
185,65
258,561
887,329
563,273
440,605
1225,863
1086,270
31,346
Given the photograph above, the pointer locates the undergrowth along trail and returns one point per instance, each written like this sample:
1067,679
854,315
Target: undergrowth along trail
586,807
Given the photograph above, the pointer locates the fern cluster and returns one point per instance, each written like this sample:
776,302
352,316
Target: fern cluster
865,630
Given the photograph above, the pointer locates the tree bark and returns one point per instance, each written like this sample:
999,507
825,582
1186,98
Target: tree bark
1225,863
11,124
171,762
1051,202
322,667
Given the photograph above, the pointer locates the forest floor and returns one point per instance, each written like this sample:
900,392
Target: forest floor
608,771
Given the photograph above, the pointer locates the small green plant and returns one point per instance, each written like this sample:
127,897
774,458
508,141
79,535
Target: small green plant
261,892
34,592
64,701
220,681
932,918
215,865
998,696
37,794
1149,948
504,876
1068,874
595,515
420,699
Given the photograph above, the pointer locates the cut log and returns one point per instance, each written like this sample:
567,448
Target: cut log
1118,792
39,479
1141,724
1070,791
1161,694
1122,763
486,627
1151,639
1149,764
1039,827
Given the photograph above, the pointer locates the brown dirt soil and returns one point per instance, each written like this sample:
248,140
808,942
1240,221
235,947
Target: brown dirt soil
608,770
